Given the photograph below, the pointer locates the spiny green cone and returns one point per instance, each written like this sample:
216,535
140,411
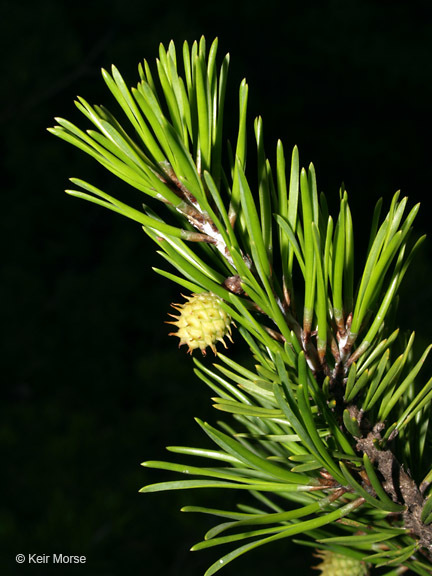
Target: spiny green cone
202,322
338,565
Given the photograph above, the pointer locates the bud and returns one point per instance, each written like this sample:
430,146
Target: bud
202,322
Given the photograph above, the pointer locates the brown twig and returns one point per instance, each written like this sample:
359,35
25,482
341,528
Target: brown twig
399,485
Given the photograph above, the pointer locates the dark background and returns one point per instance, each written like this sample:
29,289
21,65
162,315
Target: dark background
91,383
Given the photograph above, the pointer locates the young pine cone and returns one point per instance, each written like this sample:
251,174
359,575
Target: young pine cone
202,322
333,564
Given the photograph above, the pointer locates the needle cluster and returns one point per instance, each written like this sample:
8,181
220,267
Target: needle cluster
329,420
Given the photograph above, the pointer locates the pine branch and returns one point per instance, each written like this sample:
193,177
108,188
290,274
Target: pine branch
322,424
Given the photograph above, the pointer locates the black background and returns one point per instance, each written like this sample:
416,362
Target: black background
91,383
